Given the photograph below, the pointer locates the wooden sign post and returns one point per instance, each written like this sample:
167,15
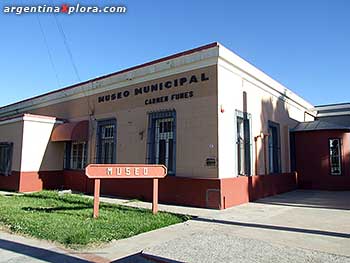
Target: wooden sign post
125,171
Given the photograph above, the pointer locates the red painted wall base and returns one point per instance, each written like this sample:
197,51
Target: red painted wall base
207,193
243,189
32,181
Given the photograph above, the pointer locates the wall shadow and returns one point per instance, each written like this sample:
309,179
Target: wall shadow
276,112
278,228
264,183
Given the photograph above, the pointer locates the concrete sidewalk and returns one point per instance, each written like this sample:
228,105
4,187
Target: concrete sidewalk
300,226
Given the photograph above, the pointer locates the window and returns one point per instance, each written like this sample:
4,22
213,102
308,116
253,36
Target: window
75,155
243,142
5,158
161,139
335,156
274,148
106,142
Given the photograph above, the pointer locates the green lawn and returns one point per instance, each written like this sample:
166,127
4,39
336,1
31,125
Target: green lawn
68,218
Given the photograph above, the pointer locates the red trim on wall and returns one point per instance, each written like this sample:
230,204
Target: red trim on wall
76,180
207,193
172,189
243,189
37,181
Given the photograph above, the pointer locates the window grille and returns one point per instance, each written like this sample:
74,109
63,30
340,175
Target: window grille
161,141
243,142
335,156
274,148
106,142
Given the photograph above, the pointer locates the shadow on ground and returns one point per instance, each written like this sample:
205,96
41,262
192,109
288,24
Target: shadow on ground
39,253
57,257
144,258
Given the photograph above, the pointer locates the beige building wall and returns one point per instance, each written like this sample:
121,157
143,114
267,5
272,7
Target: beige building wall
196,122
11,131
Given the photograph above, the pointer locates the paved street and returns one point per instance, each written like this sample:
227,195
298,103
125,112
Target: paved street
300,226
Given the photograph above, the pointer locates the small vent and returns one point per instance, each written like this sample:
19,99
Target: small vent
210,162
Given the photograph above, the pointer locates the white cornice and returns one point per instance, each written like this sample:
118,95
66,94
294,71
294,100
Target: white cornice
32,118
41,119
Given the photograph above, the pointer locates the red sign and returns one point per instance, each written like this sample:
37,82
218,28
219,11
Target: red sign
124,171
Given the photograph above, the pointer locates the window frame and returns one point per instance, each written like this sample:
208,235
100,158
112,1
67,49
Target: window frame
68,155
100,125
340,156
9,159
248,142
153,117
276,125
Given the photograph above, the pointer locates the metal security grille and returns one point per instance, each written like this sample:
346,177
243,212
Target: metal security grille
164,142
335,156
161,143
5,158
106,143
243,143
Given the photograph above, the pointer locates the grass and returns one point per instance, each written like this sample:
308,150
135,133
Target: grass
67,218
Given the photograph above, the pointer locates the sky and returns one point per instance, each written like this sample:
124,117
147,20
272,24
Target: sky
305,45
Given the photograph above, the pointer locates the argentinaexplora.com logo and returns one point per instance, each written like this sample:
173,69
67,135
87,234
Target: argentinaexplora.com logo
64,9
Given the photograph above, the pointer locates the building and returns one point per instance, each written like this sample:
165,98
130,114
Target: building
221,126
322,149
